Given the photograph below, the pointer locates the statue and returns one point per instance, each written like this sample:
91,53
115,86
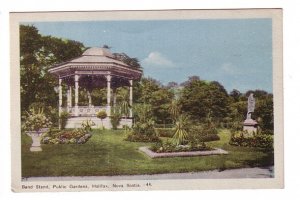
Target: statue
251,105
250,125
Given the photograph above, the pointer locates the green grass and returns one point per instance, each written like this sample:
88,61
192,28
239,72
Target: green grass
106,153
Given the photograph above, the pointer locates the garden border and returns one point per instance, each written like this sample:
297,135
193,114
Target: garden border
153,154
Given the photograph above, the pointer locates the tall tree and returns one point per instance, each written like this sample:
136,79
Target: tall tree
152,92
37,54
198,98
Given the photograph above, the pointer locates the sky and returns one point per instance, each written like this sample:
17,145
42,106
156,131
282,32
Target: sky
235,52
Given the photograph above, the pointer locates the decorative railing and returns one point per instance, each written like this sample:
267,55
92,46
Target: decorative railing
86,110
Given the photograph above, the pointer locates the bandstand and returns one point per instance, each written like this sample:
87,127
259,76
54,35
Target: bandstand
95,68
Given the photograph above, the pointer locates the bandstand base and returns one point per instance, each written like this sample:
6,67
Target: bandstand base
75,122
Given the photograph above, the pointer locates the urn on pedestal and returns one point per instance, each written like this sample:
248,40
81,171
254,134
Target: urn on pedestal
36,125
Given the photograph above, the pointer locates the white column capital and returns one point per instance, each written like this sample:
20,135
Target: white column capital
108,78
131,82
76,77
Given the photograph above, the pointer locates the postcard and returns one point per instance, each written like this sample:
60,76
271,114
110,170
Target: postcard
146,100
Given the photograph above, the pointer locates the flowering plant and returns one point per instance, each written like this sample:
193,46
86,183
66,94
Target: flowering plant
36,120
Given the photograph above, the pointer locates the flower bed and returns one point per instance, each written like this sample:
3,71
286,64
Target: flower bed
168,146
153,154
77,136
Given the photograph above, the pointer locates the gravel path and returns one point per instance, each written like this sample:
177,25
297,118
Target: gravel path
214,174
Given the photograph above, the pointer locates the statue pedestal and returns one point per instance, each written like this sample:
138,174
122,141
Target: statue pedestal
250,126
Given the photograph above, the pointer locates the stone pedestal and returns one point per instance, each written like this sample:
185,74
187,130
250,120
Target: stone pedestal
250,126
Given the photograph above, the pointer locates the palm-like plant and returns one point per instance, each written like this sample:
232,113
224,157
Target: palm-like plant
181,127
174,109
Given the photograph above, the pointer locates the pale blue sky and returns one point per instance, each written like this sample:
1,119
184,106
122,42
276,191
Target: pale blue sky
235,52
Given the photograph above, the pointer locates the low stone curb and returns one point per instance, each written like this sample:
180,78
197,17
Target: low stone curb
153,154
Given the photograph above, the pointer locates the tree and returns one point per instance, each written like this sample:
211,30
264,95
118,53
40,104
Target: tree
150,91
200,97
235,94
37,54
133,62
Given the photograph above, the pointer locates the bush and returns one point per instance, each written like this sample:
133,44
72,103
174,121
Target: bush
115,118
259,140
165,132
63,119
142,138
203,133
101,114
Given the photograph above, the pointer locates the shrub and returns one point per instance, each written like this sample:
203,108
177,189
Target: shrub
115,117
87,125
144,124
101,115
201,134
63,119
165,132
144,128
259,140
142,138
181,127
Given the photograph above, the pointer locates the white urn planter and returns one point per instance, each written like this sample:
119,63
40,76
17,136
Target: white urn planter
36,137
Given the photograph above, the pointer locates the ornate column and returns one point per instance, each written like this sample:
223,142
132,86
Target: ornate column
130,96
70,89
68,98
60,96
89,98
108,78
114,97
76,77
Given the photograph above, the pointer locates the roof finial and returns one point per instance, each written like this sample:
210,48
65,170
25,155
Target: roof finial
105,46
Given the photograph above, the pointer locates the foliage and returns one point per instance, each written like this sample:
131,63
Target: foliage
169,146
101,114
63,119
37,54
132,62
258,140
115,117
181,126
174,109
87,125
36,120
50,112
143,127
165,132
200,134
150,91
132,137
144,123
199,97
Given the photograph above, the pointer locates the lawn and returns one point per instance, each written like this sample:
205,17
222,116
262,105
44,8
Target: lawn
106,153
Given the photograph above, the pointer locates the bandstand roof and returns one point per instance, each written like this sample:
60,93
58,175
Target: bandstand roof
96,61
